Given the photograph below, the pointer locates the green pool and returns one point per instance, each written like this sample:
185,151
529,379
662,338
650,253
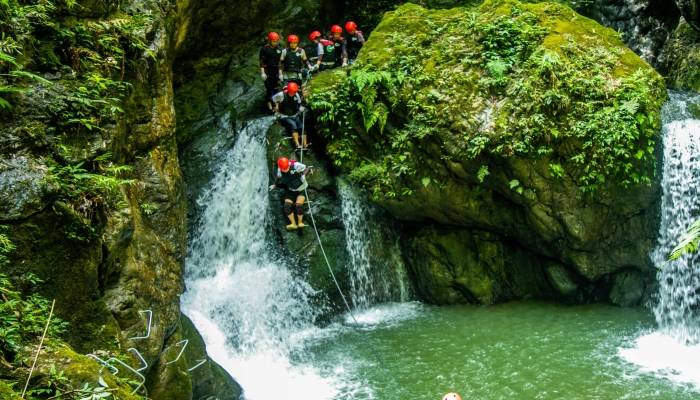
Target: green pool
524,350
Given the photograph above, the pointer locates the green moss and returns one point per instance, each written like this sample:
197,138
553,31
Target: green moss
683,54
508,79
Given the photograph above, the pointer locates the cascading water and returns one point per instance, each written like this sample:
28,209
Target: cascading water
252,311
373,279
673,350
678,309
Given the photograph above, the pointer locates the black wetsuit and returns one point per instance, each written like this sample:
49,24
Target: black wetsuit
270,61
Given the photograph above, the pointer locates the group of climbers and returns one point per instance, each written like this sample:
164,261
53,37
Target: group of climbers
284,70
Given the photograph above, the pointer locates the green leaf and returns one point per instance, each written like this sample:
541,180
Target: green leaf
425,181
31,76
482,173
690,241
514,183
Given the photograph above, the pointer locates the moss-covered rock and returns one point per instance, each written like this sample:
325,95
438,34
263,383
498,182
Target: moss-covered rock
457,266
682,57
525,120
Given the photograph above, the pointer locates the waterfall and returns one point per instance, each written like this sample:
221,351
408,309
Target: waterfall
252,311
678,308
673,350
376,272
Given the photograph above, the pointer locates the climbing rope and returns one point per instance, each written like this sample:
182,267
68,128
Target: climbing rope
313,223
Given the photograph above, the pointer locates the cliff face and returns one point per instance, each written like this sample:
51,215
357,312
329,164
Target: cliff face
506,127
91,187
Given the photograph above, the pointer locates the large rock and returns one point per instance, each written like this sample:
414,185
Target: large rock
682,58
106,256
506,119
691,12
451,266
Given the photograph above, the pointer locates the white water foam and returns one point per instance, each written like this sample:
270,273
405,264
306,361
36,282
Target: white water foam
250,309
673,351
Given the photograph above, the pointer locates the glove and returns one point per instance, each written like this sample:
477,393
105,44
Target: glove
302,109
345,63
272,187
263,75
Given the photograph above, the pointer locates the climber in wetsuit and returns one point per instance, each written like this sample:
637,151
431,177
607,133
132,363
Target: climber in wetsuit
291,177
269,66
290,111
292,61
354,41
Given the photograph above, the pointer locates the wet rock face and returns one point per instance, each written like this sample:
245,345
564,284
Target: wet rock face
681,55
691,12
23,187
645,25
104,258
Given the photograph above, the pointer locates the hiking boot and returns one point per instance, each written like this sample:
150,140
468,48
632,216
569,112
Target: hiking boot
301,225
292,227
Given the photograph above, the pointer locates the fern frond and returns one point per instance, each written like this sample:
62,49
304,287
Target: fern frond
690,241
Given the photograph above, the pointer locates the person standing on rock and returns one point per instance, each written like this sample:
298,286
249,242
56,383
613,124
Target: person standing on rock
340,46
270,55
327,56
291,177
292,61
288,107
355,41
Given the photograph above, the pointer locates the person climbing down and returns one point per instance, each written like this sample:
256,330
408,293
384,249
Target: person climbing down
340,46
288,107
292,61
354,42
291,177
269,66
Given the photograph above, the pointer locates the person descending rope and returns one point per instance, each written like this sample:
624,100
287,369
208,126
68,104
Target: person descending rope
292,61
288,107
355,41
340,46
269,66
291,177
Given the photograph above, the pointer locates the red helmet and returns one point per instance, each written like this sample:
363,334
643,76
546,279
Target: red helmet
336,29
292,88
293,39
314,35
283,163
350,26
273,36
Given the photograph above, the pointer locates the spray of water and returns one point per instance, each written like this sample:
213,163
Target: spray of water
252,311
678,309
377,273
672,351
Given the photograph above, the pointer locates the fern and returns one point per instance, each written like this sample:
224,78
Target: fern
690,241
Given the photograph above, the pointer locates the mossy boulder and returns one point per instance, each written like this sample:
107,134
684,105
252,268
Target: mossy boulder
529,121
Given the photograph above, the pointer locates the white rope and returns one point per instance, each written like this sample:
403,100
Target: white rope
313,223
41,343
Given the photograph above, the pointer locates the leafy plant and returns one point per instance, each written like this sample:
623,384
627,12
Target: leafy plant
689,242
